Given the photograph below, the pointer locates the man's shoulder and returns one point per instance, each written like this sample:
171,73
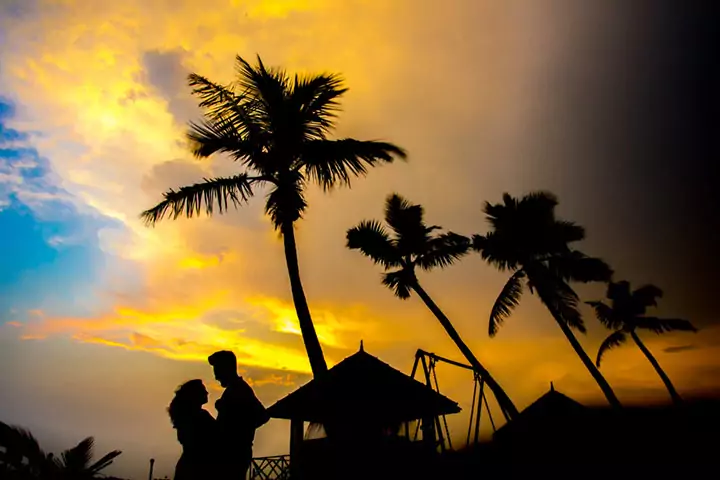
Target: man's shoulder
238,388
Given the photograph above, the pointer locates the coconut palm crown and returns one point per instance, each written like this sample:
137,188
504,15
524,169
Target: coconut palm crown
626,314
412,245
276,128
529,241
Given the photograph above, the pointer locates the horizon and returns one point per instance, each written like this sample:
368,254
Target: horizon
102,317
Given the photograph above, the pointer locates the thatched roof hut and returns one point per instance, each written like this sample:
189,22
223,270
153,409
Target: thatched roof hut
364,401
552,415
364,389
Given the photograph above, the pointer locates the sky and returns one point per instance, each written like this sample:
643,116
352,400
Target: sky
612,107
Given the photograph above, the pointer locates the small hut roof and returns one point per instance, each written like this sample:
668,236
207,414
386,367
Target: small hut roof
553,408
363,387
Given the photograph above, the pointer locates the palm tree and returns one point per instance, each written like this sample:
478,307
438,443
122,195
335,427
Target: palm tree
24,459
277,128
21,456
626,314
414,244
527,240
77,462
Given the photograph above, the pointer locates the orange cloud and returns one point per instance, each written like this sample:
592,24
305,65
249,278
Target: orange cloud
258,330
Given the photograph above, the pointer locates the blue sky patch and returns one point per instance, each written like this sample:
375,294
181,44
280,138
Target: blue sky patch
47,261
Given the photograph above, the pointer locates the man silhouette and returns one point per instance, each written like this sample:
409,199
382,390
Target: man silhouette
239,414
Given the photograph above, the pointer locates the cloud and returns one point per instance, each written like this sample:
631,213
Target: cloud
166,73
680,348
261,331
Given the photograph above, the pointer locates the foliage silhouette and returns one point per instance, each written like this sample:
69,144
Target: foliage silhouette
24,459
276,127
527,239
414,244
626,314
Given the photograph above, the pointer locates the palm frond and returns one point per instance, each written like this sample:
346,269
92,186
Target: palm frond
663,325
268,88
647,295
221,136
605,314
21,447
567,305
568,231
400,282
226,108
78,458
508,299
558,296
495,251
104,462
188,201
540,200
619,291
373,241
316,99
214,97
443,250
406,221
613,340
577,267
403,216
333,162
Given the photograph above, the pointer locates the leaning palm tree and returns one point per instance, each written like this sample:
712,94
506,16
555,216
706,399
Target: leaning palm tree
626,314
276,127
22,458
414,244
527,240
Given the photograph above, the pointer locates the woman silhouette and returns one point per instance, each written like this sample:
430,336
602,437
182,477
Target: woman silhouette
195,431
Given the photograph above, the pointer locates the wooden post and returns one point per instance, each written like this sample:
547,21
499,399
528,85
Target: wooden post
297,433
428,423
479,407
152,464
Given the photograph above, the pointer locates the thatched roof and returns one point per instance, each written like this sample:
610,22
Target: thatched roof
548,414
362,387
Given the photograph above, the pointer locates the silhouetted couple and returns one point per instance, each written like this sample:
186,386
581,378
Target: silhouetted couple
216,448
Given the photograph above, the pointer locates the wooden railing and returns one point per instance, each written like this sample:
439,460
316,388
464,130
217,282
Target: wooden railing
270,468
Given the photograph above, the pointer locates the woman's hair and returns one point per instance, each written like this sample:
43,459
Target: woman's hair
185,400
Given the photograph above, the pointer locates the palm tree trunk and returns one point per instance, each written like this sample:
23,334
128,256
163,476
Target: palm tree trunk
506,405
599,378
677,399
309,335
310,338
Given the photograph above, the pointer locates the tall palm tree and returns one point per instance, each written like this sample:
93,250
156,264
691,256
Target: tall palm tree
276,127
414,244
24,459
529,241
626,314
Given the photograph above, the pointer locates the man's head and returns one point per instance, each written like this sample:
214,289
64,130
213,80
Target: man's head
224,366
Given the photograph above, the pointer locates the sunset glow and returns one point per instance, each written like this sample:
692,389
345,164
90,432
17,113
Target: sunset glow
99,97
